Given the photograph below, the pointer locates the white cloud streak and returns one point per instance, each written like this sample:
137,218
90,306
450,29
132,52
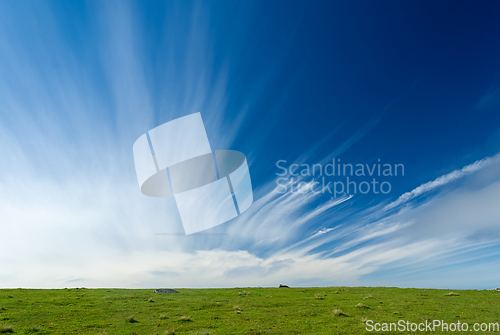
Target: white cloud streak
443,180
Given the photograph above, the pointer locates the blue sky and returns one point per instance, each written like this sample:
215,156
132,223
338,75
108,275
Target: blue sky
413,83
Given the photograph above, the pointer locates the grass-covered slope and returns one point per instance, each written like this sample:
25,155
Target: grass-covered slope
331,310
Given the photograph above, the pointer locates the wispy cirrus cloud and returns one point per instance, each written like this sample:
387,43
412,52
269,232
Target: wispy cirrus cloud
489,100
443,180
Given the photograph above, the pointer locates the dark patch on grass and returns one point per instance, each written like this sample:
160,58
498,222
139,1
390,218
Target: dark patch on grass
132,320
33,330
6,329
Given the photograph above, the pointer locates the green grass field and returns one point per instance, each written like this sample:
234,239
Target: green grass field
330,310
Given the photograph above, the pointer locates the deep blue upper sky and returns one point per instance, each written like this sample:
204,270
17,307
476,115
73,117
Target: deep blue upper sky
407,82
418,70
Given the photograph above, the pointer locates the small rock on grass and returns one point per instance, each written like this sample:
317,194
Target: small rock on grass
165,290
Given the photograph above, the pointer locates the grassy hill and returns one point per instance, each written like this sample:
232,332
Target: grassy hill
327,310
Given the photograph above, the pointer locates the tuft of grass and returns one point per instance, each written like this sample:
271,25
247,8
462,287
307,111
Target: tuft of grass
185,318
364,319
338,312
244,293
164,316
169,332
451,294
151,300
33,329
319,296
6,329
369,296
360,305
237,309
131,319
